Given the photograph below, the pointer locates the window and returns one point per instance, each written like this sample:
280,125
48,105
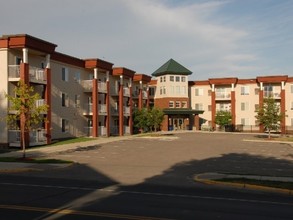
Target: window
256,107
77,101
183,79
268,91
64,74
177,90
161,90
244,90
161,79
172,90
64,125
209,108
171,78
77,77
244,106
183,90
183,104
152,91
209,92
164,78
65,100
198,106
164,90
177,78
291,88
198,92
177,105
256,91
291,121
171,104
18,61
245,121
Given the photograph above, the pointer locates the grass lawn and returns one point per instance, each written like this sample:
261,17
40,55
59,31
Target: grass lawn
32,160
268,183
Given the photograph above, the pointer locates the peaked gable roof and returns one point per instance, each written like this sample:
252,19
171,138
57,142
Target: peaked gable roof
171,67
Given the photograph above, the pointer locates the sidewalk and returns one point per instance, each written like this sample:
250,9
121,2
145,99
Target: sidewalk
213,179
46,151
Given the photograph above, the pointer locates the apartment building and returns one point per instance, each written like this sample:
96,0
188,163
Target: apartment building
242,97
86,97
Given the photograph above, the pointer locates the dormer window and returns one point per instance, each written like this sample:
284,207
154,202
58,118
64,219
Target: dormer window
183,79
177,78
171,78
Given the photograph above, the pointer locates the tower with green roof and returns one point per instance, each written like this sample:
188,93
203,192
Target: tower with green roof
172,96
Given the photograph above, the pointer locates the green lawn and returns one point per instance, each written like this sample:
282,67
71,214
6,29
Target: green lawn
70,141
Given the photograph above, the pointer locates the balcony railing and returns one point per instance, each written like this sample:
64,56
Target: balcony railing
102,109
114,111
37,137
144,94
126,129
275,95
102,131
88,109
223,95
87,85
102,87
126,91
126,110
35,74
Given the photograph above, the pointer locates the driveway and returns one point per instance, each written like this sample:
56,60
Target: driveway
175,159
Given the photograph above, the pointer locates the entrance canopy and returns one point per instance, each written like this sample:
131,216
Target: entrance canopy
181,111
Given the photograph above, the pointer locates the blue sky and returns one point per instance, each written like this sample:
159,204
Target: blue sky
229,38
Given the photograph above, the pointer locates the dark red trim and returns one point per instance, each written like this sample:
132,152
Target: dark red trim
233,107
283,110
48,124
95,108
213,110
261,127
130,111
121,113
108,108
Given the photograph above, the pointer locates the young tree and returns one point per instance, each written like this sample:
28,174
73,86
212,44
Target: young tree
156,118
26,111
269,115
140,119
223,118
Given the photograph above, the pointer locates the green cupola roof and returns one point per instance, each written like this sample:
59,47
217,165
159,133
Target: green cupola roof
171,67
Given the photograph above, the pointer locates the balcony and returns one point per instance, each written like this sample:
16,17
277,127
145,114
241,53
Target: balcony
223,96
126,110
36,75
102,109
135,94
114,130
144,94
126,91
88,109
37,137
87,85
126,129
102,87
275,95
114,111
102,131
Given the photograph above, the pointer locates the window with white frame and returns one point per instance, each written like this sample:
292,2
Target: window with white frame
77,77
177,78
199,106
245,121
164,78
161,90
171,78
244,106
198,92
164,90
183,104
77,101
172,90
291,88
64,74
244,90
183,79
183,90
177,104
64,125
161,79
177,90
65,99
171,104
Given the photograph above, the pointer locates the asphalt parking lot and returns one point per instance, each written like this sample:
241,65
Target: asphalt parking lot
176,158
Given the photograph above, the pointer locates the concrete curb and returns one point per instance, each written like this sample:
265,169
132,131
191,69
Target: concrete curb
197,178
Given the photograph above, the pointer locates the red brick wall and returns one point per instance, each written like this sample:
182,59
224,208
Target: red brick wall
164,102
